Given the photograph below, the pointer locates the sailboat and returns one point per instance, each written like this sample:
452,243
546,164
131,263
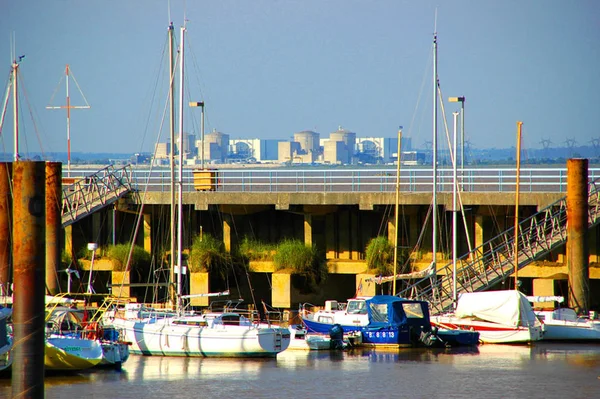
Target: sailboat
179,333
504,316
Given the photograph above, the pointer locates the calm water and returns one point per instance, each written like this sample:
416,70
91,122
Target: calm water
492,371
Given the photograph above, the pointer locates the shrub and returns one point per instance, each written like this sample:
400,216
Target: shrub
256,250
118,254
302,259
380,255
208,254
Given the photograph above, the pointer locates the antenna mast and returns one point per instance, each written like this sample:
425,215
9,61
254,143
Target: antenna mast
68,107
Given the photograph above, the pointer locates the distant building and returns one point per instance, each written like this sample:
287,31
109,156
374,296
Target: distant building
381,149
216,147
253,150
162,150
340,148
304,149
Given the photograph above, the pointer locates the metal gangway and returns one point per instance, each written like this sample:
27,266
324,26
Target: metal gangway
494,261
92,192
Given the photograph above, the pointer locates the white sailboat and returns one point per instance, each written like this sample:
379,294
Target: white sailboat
220,334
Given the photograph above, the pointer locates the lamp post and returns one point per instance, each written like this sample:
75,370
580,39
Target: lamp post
200,104
461,100
92,246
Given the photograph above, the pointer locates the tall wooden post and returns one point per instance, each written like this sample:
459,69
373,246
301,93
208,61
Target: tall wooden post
5,226
53,224
577,227
29,231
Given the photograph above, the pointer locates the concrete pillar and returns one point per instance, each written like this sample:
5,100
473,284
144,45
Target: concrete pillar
308,229
391,229
29,279
282,289
148,232
355,236
478,234
330,236
364,288
414,229
69,240
577,241
543,287
199,285
227,222
344,235
5,226
53,224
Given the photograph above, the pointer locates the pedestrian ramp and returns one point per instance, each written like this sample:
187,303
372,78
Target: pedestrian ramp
494,261
86,195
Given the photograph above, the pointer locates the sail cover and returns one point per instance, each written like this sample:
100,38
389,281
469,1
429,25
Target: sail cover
509,308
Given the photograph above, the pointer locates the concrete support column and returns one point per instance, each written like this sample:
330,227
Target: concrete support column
308,229
5,226
355,250
543,287
199,285
227,222
282,290
330,236
478,234
148,232
53,224
69,240
414,229
391,229
577,241
344,235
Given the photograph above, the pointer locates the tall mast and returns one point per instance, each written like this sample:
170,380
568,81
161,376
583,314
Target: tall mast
396,210
180,171
15,68
518,178
172,158
434,160
454,211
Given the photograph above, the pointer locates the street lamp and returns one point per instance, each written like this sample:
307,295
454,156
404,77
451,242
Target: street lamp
200,104
461,100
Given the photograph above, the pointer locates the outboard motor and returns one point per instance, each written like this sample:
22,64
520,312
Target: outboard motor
336,333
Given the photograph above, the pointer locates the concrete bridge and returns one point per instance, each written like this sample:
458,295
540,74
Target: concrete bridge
338,211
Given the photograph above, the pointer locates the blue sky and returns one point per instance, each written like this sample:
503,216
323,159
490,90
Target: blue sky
268,68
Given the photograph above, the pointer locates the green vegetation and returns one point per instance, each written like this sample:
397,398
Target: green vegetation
301,259
380,255
208,254
118,254
256,250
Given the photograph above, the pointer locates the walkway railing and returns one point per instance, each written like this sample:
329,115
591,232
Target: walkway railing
93,191
494,261
412,179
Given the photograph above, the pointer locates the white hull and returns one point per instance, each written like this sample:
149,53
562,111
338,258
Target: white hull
564,325
114,354
66,353
489,332
166,337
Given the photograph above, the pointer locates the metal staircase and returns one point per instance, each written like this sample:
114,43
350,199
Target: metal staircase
493,261
94,192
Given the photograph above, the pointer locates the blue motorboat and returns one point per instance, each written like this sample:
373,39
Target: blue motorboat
382,320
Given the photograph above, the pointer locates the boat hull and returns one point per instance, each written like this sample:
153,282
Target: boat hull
491,332
565,331
165,338
66,353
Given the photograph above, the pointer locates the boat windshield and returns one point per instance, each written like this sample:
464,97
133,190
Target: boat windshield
413,310
357,307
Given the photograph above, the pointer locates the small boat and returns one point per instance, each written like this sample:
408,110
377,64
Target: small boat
6,342
73,343
381,320
215,334
563,324
300,339
498,317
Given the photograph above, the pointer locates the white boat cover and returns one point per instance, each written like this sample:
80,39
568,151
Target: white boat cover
509,308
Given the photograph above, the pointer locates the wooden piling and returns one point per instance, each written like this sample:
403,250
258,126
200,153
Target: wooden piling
5,226
29,212
53,225
577,232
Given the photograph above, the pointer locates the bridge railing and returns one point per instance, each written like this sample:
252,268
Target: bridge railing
341,179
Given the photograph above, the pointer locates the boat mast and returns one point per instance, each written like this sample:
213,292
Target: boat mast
454,212
518,181
180,170
434,160
15,68
396,211
172,159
